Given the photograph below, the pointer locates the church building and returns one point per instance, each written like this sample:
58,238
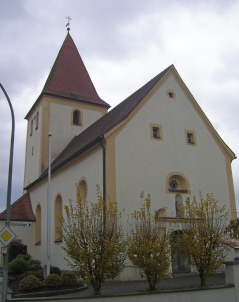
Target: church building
158,140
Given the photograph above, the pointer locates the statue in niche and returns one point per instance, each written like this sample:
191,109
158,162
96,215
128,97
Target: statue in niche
179,208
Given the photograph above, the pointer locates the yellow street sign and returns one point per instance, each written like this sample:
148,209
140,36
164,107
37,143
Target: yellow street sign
6,235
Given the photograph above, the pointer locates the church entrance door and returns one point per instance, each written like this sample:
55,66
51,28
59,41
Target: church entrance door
179,261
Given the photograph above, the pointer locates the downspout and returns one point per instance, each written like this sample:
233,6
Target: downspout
104,174
104,182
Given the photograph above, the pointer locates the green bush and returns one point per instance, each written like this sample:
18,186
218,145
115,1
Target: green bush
23,263
38,274
55,270
69,278
18,265
33,265
30,282
52,280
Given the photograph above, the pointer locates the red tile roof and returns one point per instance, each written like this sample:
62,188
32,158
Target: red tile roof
69,78
94,133
20,210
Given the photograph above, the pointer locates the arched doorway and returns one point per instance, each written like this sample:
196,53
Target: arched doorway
179,261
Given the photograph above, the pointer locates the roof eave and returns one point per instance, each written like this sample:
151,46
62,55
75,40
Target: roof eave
68,98
74,155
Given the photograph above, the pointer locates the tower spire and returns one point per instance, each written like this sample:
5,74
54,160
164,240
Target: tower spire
69,78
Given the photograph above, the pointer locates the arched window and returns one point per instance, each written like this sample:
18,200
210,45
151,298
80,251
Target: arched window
76,117
176,182
57,223
31,127
37,120
82,189
38,225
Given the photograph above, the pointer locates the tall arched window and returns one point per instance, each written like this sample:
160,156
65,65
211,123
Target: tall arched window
37,120
57,223
82,189
38,225
76,119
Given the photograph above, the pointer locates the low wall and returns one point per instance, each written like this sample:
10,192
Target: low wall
229,292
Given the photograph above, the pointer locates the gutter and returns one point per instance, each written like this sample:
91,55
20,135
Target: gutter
104,170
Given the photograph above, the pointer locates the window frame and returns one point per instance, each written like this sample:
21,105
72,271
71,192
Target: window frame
31,127
37,120
159,130
38,225
79,118
58,206
171,94
190,137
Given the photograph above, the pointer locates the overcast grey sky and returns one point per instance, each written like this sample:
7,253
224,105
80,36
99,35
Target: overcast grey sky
123,43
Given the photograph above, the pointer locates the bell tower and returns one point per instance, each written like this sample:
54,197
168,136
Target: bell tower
67,105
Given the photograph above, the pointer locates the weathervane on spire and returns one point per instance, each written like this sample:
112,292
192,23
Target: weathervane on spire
68,23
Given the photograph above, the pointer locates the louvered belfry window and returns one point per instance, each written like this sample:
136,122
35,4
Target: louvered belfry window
76,117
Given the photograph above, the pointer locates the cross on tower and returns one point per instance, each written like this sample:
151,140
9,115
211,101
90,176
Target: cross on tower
68,23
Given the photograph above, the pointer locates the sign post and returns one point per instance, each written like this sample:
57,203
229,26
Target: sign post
9,191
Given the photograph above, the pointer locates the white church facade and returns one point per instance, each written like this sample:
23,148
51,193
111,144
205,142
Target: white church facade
158,140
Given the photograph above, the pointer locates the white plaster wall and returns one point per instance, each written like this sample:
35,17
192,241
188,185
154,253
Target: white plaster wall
91,169
61,126
32,161
143,163
62,130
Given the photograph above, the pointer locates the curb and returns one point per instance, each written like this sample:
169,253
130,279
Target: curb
51,293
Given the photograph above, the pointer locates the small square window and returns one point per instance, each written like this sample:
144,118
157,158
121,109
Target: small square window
190,137
156,132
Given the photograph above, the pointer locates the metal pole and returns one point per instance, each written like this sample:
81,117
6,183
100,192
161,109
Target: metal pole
9,190
48,205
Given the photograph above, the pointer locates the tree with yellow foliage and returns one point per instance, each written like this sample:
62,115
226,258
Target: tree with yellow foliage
93,239
203,234
148,244
233,229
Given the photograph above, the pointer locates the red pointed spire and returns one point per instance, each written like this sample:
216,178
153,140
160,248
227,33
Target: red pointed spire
69,77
